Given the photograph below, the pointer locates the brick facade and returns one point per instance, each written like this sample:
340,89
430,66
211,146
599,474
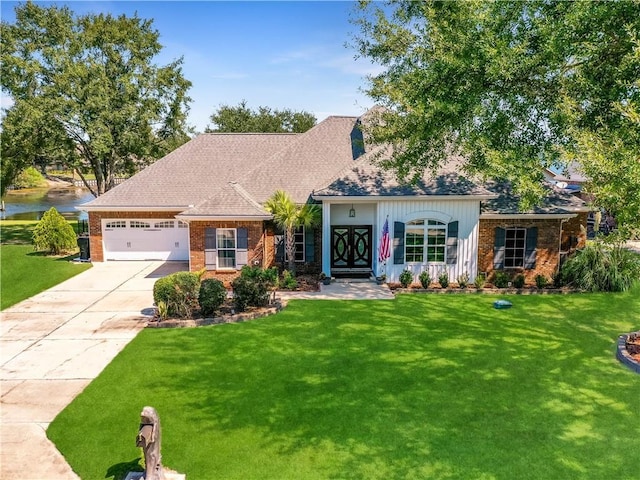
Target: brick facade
260,247
548,249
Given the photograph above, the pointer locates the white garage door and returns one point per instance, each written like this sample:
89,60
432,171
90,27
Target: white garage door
145,239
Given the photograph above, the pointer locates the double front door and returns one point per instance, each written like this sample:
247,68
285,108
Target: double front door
351,247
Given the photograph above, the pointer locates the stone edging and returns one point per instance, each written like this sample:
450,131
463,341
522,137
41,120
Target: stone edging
234,318
492,291
623,355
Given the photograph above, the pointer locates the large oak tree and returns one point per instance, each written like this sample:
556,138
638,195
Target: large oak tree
242,119
88,93
513,86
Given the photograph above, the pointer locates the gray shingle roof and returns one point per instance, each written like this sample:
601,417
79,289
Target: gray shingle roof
230,201
366,179
232,175
556,202
195,171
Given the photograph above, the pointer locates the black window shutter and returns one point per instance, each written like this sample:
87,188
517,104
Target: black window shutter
530,248
309,245
498,248
279,244
209,238
452,243
242,247
398,243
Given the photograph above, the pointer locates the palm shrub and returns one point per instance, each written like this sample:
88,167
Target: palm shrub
479,281
425,279
289,215
463,280
602,268
211,296
406,277
179,292
54,234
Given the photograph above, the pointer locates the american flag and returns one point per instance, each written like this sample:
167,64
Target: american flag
384,249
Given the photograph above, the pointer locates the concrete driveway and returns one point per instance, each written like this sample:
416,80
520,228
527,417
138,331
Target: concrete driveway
53,344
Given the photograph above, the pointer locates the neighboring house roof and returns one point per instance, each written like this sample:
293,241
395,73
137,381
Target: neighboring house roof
556,202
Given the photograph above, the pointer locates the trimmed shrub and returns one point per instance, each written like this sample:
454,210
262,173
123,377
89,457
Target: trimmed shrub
179,292
289,280
29,178
406,277
54,234
211,296
425,279
443,279
541,281
252,287
600,268
518,281
501,280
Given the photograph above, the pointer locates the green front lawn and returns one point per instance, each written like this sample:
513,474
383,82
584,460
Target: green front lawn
23,272
425,386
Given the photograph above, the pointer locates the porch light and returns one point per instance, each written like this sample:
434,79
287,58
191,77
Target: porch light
352,212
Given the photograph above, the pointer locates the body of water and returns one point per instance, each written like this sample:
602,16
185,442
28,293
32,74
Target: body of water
30,204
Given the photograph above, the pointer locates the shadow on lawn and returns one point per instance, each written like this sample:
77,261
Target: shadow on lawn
406,389
119,471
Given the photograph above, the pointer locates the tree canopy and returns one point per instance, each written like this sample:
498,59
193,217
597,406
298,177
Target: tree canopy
87,93
241,119
513,86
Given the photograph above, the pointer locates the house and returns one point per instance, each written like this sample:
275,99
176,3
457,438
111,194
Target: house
202,203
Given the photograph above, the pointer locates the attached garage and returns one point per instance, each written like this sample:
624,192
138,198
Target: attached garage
145,239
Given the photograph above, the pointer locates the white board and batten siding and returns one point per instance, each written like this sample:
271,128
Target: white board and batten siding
145,239
465,212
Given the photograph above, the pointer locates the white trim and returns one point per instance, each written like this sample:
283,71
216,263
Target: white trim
195,218
529,216
385,198
124,208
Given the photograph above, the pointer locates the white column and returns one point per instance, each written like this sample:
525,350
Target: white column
326,237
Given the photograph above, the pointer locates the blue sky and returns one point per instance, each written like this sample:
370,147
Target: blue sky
270,53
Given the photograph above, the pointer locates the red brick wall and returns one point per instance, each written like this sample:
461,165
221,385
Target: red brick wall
260,246
548,246
95,227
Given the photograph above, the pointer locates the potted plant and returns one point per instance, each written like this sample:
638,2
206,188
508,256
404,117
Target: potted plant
380,279
326,280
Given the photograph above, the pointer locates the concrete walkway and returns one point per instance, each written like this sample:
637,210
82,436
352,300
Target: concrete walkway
343,289
53,345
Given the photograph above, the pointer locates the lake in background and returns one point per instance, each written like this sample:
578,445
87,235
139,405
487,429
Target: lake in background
30,204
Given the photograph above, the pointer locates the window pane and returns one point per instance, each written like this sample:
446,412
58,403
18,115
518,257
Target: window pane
515,240
226,258
226,238
414,243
